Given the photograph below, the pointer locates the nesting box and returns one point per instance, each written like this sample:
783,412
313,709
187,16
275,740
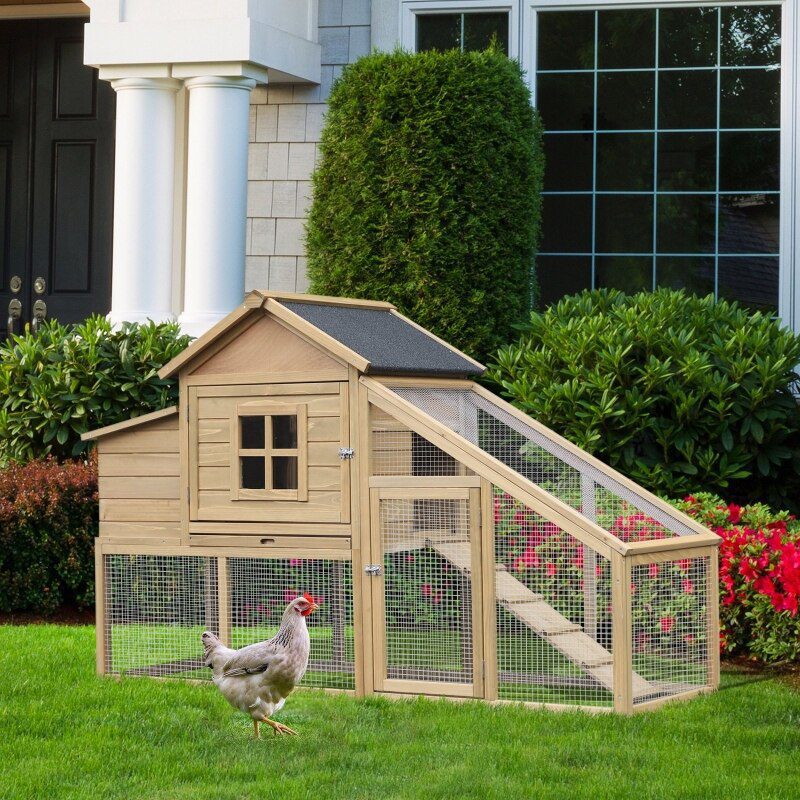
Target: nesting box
459,548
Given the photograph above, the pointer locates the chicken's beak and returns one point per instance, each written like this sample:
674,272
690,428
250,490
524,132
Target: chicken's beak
314,607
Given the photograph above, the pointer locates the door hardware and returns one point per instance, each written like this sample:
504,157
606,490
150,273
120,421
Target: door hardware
346,453
39,315
39,285
15,284
373,569
14,313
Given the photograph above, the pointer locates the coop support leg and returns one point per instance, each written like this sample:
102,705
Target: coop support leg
103,642
224,601
621,633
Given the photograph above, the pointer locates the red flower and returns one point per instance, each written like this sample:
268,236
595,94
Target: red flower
734,513
551,570
688,586
667,624
684,564
426,590
654,570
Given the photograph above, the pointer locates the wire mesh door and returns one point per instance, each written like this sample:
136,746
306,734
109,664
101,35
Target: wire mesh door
426,591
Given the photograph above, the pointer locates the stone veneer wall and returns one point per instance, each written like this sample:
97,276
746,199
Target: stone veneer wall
285,126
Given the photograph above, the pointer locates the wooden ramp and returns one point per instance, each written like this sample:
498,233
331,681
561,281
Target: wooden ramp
532,610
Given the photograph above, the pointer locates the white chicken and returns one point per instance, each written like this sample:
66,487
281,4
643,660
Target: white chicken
258,678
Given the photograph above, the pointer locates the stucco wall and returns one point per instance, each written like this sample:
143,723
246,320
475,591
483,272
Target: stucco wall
285,126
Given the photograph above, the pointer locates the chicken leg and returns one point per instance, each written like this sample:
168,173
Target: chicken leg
279,727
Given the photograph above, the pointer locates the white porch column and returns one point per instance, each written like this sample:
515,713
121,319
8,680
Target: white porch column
141,285
216,199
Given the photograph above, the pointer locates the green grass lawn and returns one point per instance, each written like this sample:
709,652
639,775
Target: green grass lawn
65,733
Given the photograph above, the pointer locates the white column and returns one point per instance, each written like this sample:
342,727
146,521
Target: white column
144,185
216,199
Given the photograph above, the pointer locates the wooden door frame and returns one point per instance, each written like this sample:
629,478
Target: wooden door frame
377,621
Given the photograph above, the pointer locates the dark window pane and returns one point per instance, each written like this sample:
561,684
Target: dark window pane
284,431
687,99
624,161
624,223
626,39
629,273
692,273
687,161
252,432
566,102
562,275
438,32
565,40
567,223
748,224
753,281
751,35
625,100
749,162
252,469
685,224
568,162
480,30
284,472
687,37
750,98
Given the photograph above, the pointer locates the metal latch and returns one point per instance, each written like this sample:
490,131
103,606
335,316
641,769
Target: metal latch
373,569
346,453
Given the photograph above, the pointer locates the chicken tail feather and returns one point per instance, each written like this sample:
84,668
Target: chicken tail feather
210,644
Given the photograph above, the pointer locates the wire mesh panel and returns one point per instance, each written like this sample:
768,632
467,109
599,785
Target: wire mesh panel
554,620
669,616
156,608
397,450
546,462
427,592
260,589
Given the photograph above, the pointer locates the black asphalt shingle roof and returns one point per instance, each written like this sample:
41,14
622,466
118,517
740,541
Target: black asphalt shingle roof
388,342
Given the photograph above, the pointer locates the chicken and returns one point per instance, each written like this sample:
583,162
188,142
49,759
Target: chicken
258,678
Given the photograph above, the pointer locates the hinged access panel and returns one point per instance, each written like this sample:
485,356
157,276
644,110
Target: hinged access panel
427,598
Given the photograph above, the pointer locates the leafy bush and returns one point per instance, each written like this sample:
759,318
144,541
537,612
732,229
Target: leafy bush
48,521
759,576
673,390
62,381
427,193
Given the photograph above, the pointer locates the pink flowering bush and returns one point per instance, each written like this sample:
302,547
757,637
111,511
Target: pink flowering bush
759,576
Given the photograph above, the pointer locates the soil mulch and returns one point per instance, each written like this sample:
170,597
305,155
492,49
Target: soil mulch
64,616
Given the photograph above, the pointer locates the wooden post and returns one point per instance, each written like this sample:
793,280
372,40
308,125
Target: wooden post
224,601
103,642
621,633
488,570
589,561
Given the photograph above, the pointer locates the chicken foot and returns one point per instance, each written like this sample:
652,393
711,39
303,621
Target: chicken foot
279,728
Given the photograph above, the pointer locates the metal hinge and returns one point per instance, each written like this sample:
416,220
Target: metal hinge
346,453
373,569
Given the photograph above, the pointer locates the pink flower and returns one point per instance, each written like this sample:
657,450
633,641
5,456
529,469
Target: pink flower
654,570
551,570
409,559
426,590
667,624
688,586
734,513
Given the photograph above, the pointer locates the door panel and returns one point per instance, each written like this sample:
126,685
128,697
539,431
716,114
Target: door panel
427,625
56,172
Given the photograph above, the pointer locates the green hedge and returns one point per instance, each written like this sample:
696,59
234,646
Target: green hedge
64,380
48,522
427,193
676,391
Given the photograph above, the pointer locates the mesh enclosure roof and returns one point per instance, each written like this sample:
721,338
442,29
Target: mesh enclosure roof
625,513
391,344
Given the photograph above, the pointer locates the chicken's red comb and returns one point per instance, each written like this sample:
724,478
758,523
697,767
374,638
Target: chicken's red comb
309,597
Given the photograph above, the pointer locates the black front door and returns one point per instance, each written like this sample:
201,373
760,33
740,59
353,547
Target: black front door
56,175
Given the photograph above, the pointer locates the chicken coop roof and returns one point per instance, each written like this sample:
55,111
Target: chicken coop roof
371,335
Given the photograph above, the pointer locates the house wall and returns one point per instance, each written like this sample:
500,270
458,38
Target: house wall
285,127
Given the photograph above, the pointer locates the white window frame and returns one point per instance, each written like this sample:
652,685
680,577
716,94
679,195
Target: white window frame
410,9
522,46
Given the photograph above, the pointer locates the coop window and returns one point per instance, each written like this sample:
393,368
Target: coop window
270,455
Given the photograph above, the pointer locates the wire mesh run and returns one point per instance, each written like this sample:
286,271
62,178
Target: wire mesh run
554,616
397,450
427,589
546,462
156,608
670,626
260,589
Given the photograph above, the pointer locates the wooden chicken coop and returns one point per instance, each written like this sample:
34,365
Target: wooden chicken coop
458,547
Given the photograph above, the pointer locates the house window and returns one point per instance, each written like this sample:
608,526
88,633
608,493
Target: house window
662,150
472,30
270,455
